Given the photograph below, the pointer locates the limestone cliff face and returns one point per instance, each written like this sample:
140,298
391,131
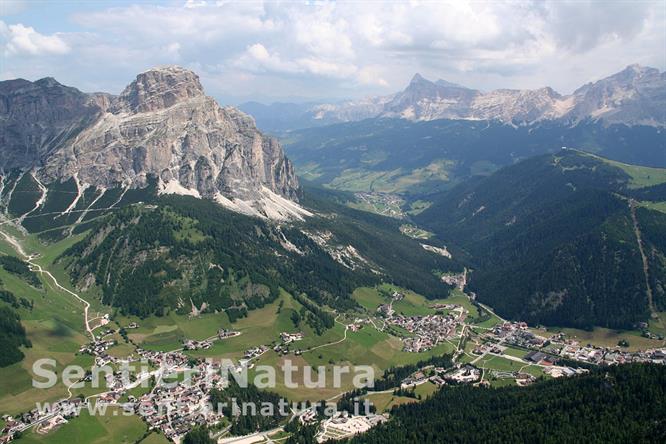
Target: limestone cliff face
163,125
36,118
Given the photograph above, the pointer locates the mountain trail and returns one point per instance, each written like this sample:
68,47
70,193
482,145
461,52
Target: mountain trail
646,268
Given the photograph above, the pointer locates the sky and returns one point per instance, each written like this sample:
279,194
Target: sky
320,51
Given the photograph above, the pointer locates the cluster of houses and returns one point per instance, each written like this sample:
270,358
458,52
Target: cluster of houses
522,379
545,351
358,324
163,359
255,352
99,349
560,372
386,310
465,374
223,333
428,330
461,374
191,344
47,418
175,409
288,338
517,333
609,356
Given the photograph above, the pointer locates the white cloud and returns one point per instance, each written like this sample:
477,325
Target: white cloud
257,59
328,68
342,49
19,39
371,75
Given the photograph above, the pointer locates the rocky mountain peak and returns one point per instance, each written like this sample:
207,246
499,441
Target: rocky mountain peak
159,88
420,87
636,70
633,96
627,78
48,82
418,78
35,117
161,128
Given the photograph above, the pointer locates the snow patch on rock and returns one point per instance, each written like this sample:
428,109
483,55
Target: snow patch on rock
268,205
437,250
175,187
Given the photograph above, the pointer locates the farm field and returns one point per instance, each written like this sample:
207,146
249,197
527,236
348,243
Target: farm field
641,176
658,206
93,429
384,402
604,337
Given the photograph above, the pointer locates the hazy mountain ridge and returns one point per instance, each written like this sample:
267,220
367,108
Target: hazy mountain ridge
397,155
634,96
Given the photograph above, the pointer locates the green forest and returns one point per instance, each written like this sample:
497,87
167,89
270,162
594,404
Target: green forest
187,251
551,241
393,149
12,337
616,404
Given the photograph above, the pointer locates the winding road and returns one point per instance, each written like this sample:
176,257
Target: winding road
36,267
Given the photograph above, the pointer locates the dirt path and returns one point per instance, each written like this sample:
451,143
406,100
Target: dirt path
85,303
36,267
344,338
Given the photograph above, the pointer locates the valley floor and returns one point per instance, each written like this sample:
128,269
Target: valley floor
394,327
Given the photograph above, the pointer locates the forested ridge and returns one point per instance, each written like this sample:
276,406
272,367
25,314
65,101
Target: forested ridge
186,251
401,147
611,405
551,240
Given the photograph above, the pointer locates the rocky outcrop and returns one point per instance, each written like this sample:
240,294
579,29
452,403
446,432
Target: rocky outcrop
158,89
36,118
163,125
636,95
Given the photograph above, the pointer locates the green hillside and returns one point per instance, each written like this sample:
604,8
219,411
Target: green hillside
398,156
552,240
187,252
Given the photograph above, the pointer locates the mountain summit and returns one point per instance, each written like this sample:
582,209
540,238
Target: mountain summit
161,126
160,88
633,96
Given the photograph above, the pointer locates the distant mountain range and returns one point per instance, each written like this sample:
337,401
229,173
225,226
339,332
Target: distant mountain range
633,96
